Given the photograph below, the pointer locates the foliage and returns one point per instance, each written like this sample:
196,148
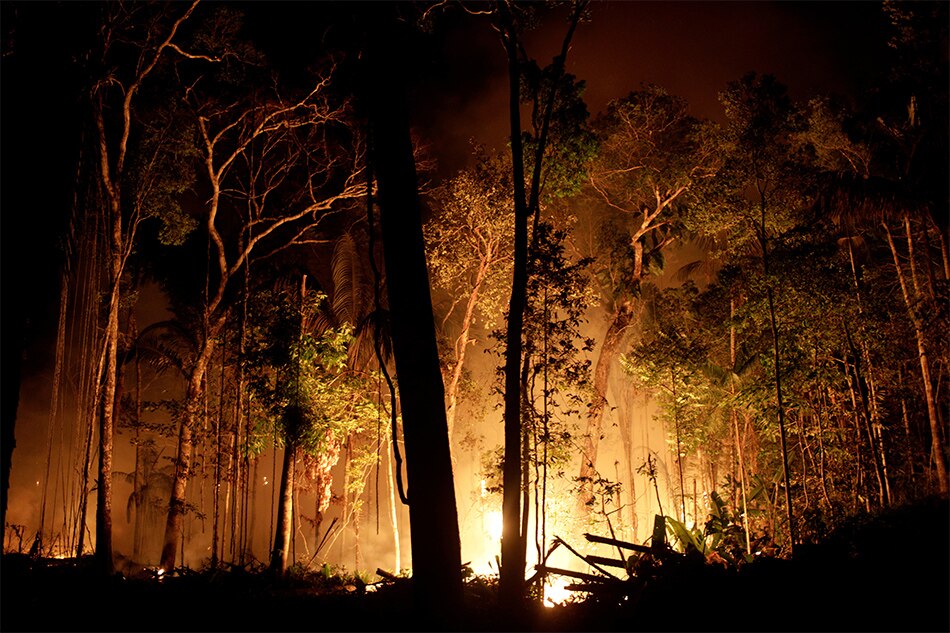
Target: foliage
300,380
470,231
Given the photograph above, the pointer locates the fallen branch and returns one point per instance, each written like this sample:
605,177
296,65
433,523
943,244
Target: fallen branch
382,573
603,560
583,558
593,538
574,574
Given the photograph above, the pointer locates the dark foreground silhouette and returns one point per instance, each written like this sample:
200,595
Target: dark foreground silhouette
890,572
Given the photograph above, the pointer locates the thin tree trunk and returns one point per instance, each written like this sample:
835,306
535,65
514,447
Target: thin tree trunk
734,416
609,350
394,522
936,433
461,345
511,580
216,491
626,440
285,508
679,449
54,397
84,494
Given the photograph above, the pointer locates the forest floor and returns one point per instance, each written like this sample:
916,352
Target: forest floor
888,572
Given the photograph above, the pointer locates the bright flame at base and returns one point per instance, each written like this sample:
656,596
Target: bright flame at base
556,591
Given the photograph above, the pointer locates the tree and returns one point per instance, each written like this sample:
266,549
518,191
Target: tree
651,153
508,24
669,359
763,185
885,173
303,387
469,244
436,550
131,183
275,166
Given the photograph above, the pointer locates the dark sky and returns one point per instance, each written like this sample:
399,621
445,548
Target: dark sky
690,48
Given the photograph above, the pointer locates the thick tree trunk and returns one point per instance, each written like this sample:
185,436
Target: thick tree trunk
176,505
12,359
436,550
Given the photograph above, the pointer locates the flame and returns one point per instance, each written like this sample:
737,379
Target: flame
556,591
493,525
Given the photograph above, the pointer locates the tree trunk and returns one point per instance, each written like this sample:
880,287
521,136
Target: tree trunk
436,550
511,580
104,560
394,522
609,350
285,509
936,432
461,345
84,493
176,505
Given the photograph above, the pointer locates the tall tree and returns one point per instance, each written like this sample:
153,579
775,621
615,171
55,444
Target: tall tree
469,252
126,180
436,549
275,166
762,186
508,22
651,153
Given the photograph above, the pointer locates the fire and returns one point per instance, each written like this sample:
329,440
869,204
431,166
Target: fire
555,591
493,525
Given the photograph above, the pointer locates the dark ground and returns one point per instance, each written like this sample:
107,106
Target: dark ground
890,572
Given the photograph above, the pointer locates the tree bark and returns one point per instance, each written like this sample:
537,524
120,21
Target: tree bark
461,345
285,509
177,503
436,550
595,414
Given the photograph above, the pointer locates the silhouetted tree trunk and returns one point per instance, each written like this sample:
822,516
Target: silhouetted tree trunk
436,552
511,578
526,203
285,509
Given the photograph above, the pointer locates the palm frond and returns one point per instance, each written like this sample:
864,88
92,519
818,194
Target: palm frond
351,291
166,345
